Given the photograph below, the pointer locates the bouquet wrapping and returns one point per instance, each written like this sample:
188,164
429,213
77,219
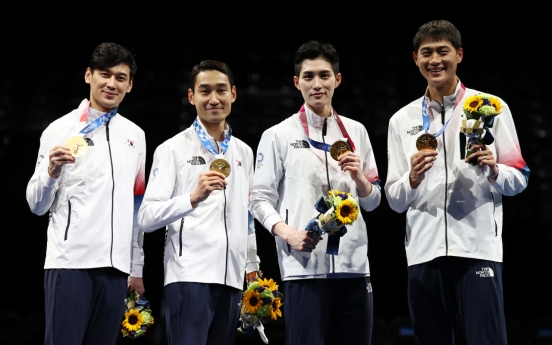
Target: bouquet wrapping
479,112
261,302
138,318
336,210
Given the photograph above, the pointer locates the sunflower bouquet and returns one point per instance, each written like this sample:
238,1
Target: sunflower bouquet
336,210
138,316
261,302
479,112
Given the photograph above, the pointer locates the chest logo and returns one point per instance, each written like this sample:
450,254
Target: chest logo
197,160
300,144
415,130
131,143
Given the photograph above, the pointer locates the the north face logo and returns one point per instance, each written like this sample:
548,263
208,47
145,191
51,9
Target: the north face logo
415,130
197,160
485,272
300,144
369,287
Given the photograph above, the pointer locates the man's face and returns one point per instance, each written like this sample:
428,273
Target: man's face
212,96
108,87
317,82
437,62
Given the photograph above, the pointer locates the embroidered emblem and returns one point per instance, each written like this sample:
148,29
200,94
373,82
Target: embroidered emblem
196,160
300,144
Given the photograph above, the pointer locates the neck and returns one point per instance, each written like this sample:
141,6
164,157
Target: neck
436,93
323,111
216,130
98,107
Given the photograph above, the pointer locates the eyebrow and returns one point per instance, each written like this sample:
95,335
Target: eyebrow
209,85
321,71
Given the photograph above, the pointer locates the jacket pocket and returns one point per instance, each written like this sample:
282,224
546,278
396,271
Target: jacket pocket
68,220
494,220
288,246
180,237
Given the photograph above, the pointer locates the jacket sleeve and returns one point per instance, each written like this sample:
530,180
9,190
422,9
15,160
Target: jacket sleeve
159,207
397,186
513,174
370,171
137,265
41,189
264,192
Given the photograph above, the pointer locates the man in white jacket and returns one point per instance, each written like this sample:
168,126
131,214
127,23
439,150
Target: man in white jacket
454,210
199,189
326,280
90,177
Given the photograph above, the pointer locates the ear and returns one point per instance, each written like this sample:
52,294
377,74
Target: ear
190,96
338,79
460,55
296,82
234,94
415,56
87,75
129,86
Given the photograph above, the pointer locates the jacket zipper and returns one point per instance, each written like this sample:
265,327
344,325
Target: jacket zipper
225,226
112,190
68,220
446,178
180,237
324,130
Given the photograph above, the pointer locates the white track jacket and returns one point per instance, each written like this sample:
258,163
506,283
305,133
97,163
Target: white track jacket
92,203
291,176
213,242
453,211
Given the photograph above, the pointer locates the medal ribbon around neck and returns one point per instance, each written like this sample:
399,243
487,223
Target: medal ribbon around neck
204,138
425,116
100,121
317,144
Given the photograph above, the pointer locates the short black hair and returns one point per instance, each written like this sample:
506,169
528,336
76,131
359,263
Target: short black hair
313,50
210,65
108,55
438,30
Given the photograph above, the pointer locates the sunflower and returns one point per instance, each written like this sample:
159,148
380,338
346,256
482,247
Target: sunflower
133,320
275,309
496,104
472,103
271,284
252,301
347,212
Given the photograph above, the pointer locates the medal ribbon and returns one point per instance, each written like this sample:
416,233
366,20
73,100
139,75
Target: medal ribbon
317,144
100,121
204,138
425,116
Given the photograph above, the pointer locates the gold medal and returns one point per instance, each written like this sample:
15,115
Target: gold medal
221,166
338,148
77,146
426,142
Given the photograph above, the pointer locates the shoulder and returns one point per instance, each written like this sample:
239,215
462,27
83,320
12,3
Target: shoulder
177,142
289,124
130,125
62,124
411,110
241,145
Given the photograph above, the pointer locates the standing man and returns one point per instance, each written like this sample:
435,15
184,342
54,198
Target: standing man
293,171
454,210
90,177
199,189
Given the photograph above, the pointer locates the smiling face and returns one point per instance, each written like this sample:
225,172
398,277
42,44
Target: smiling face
212,96
108,87
317,82
437,62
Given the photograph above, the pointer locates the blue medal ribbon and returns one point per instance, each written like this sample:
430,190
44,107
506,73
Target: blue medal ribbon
98,122
204,138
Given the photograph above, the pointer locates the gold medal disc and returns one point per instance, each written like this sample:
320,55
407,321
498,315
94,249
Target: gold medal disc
338,148
77,145
221,166
426,142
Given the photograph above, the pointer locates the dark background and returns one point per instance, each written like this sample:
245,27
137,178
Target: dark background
43,78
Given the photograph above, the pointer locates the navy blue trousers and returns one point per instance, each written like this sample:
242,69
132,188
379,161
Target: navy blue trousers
201,314
448,287
84,306
344,306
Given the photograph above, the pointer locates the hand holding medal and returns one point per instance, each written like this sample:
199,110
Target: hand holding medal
58,157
